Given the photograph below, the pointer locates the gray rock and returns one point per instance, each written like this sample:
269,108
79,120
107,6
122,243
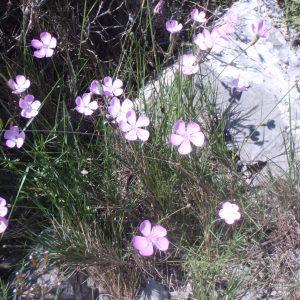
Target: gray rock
154,291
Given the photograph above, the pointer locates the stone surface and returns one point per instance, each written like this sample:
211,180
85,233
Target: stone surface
154,291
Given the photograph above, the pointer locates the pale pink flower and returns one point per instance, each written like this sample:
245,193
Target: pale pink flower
118,110
228,27
112,88
30,107
229,213
260,29
84,104
206,40
133,127
3,208
158,7
198,16
96,88
45,46
19,85
240,84
14,137
3,224
173,26
155,236
188,64
183,135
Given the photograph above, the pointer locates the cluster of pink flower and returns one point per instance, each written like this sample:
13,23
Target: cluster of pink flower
30,106
210,40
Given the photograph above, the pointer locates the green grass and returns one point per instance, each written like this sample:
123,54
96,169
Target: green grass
91,218
292,12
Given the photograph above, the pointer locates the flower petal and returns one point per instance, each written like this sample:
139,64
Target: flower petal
20,142
3,211
10,143
124,126
131,117
107,81
35,105
2,202
161,243
143,134
118,83
11,83
96,87
142,121
53,43
45,38
86,98
179,127
127,105
192,127
158,231
79,101
145,228
20,79
131,135
3,224
185,147
37,44
176,139
197,139
40,53
139,242
118,92
49,52
93,105
147,251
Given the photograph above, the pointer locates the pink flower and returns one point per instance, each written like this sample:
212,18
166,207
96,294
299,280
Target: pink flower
188,64
84,104
183,135
45,46
30,107
158,7
117,110
198,16
229,213
20,85
14,137
206,40
228,27
3,224
240,84
96,88
173,26
155,236
3,208
112,88
260,29
132,127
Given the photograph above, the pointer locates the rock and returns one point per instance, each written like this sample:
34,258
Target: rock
37,278
154,291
